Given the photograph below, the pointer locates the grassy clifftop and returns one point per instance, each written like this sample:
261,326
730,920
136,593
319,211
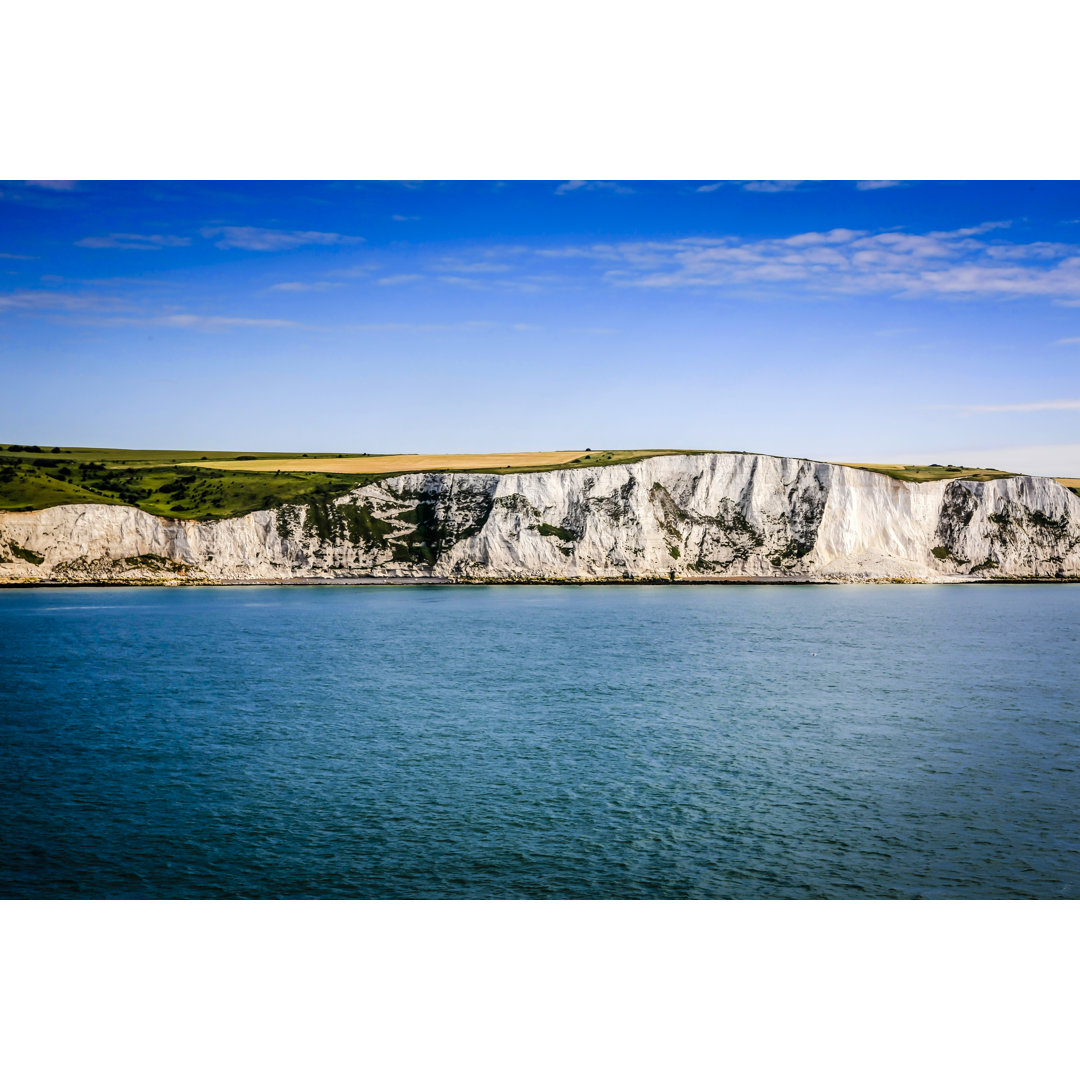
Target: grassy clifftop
211,484
920,474
32,478
206,485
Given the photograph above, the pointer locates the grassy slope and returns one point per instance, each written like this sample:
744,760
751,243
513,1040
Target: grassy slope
152,480
32,478
920,474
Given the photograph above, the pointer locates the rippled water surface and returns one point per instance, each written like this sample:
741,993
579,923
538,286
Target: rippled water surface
665,741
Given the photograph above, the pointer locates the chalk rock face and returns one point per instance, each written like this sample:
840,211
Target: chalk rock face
687,516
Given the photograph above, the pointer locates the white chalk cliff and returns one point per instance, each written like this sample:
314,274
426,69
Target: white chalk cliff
687,516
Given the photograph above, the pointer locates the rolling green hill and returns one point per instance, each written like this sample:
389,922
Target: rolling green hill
32,478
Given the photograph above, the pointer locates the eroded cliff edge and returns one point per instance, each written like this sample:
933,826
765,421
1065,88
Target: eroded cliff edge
699,516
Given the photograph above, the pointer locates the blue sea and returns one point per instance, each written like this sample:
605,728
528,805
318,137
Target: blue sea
544,742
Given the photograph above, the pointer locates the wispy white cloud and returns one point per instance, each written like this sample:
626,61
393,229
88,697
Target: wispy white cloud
772,186
185,320
491,269
404,217
766,186
400,279
305,286
7,255
593,185
358,270
524,284
58,301
249,238
973,230
133,241
188,321
833,236
1061,405
53,185
1068,341
102,309
464,266
464,282
959,263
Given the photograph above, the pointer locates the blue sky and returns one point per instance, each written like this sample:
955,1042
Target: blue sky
875,321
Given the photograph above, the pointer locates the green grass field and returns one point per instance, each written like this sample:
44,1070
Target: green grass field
36,477
920,474
186,483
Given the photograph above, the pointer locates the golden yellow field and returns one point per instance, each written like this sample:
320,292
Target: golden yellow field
398,463
378,464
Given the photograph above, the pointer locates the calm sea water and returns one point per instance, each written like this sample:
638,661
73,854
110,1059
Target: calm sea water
672,741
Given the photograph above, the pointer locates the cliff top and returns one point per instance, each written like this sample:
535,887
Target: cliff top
220,484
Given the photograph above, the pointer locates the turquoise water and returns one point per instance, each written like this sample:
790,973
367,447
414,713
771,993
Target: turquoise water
665,741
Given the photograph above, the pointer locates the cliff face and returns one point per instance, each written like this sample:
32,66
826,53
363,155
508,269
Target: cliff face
709,515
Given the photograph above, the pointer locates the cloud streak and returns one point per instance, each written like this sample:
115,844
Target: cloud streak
465,266
768,187
963,263
184,320
305,286
52,185
249,238
774,187
99,309
593,185
133,241
49,300
400,279
187,321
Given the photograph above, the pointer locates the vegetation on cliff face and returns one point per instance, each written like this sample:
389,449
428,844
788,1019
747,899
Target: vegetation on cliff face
319,516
